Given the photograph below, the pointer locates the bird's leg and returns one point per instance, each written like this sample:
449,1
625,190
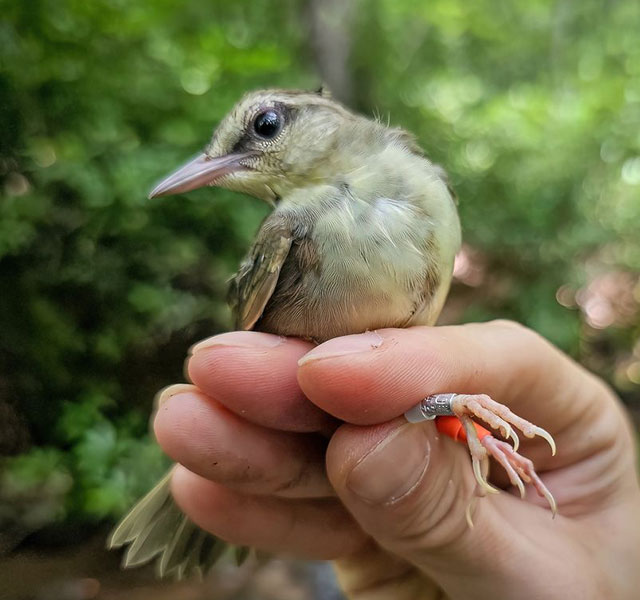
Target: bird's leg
482,444
479,455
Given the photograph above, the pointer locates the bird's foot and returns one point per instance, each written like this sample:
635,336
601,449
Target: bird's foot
518,468
499,417
465,407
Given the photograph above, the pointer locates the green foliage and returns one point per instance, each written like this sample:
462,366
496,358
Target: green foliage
104,290
33,488
533,108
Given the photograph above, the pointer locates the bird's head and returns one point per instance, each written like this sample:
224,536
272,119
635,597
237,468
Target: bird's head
272,141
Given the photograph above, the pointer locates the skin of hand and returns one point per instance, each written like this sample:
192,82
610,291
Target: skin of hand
299,449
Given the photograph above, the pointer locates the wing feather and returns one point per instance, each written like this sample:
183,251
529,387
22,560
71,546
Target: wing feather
252,287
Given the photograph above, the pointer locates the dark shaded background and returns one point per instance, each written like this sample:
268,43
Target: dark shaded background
533,108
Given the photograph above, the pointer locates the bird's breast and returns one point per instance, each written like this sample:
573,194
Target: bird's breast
374,265
380,247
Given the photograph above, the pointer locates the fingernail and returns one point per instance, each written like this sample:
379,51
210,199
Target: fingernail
173,390
349,344
392,468
241,339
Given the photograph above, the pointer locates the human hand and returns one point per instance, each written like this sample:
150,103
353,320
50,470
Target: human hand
390,510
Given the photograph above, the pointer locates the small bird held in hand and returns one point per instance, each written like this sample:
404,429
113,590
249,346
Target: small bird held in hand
362,236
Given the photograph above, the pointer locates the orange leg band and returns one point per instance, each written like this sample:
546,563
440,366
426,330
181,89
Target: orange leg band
452,427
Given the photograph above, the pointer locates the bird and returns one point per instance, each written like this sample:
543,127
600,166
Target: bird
363,234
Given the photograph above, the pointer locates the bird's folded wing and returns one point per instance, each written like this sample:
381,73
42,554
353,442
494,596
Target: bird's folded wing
254,283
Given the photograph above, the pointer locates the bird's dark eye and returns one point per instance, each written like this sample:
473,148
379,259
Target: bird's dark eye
268,124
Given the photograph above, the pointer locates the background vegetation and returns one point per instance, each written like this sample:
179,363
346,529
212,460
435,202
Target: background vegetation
533,108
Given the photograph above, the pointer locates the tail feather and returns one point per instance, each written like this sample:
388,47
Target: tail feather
240,554
135,521
156,526
174,554
213,549
155,537
192,564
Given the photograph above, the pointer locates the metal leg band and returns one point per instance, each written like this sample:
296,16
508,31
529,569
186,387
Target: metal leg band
437,405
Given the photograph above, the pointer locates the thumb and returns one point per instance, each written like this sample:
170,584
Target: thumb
409,488
404,483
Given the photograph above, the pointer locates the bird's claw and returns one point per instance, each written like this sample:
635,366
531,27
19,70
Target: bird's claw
481,474
510,433
499,417
545,435
520,470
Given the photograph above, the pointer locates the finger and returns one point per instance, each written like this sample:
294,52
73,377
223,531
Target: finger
373,377
209,440
317,529
375,574
409,488
254,375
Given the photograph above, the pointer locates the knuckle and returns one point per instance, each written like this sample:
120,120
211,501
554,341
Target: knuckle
444,523
429,519
527,335
243,476
288,485
506,324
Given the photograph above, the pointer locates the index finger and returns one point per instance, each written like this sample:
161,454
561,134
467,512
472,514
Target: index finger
373,377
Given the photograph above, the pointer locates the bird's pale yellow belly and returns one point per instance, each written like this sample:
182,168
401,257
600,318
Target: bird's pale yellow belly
366,279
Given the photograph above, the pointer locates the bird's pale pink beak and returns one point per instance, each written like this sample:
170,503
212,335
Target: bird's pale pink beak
202,170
